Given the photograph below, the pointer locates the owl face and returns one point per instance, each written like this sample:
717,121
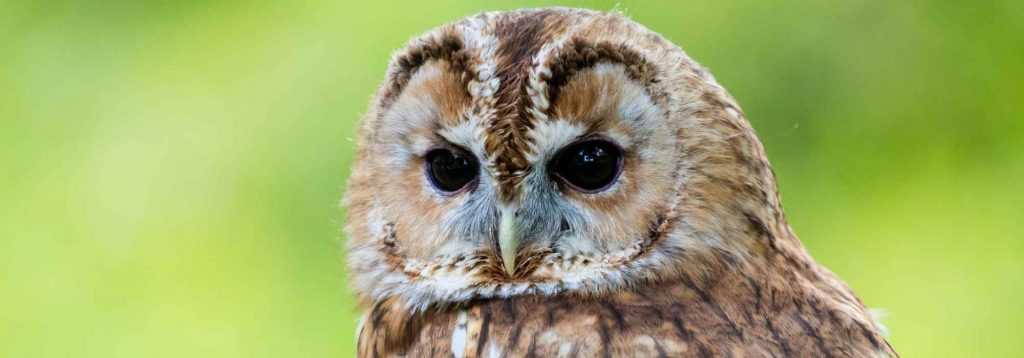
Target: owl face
537,152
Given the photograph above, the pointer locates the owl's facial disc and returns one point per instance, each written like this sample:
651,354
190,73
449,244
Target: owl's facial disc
492,170
586,182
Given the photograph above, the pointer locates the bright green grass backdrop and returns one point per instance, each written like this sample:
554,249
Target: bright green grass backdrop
170,171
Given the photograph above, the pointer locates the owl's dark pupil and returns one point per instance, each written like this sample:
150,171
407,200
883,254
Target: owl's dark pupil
450,170
589,166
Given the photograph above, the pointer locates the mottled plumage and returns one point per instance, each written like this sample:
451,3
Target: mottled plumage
685,253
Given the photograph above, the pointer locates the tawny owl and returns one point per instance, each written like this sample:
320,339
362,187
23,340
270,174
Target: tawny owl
563,182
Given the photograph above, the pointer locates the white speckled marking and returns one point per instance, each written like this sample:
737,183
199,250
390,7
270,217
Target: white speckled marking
493,351
459,336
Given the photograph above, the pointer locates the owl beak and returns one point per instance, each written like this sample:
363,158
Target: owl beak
508,239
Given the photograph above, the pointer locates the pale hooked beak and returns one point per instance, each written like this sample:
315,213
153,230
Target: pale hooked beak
508,238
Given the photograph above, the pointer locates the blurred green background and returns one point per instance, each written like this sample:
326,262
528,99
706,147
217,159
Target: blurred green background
170,170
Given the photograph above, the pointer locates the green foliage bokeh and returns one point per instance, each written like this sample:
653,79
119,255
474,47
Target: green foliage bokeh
170,171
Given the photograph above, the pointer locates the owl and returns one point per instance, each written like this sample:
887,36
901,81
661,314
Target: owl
563,182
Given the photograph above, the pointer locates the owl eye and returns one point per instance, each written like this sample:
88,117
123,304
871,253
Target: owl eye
589,166
451,170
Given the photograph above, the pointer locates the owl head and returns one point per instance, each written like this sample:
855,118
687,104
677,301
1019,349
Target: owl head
549,152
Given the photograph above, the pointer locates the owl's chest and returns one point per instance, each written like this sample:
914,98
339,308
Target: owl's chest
672,320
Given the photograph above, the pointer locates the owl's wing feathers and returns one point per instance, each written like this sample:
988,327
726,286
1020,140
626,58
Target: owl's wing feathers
739,314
